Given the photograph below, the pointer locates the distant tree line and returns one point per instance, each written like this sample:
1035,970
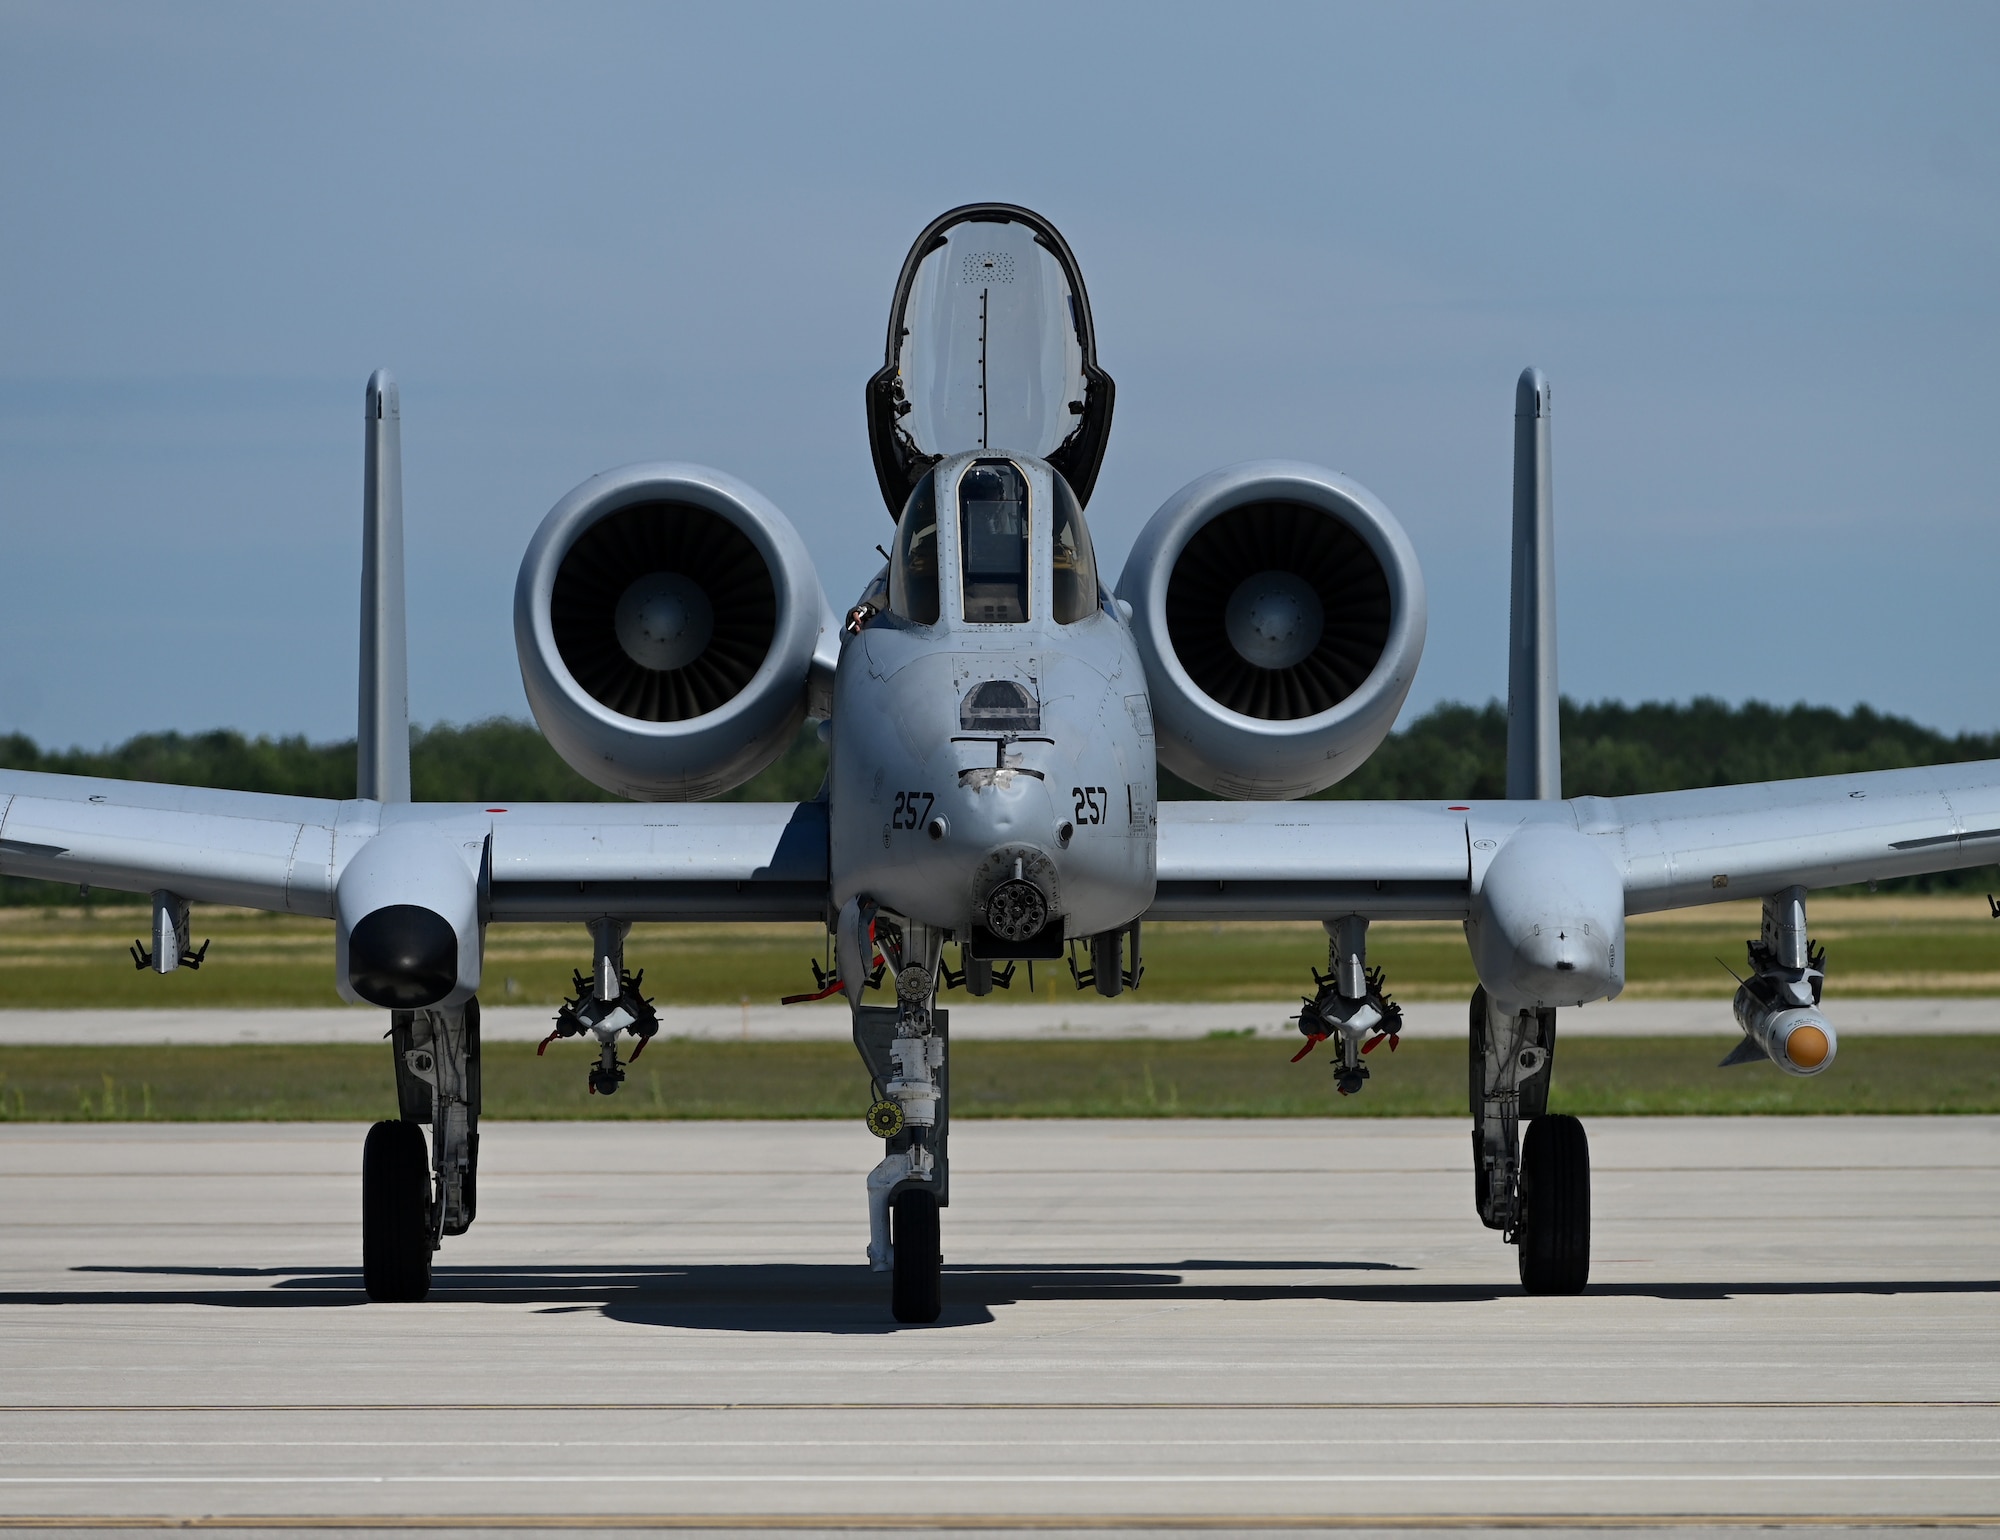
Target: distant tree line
1613,750
1609,749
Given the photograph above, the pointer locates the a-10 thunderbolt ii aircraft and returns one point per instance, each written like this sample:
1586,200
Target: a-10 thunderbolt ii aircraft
995,711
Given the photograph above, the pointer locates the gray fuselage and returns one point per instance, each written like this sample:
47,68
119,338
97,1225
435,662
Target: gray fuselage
965,753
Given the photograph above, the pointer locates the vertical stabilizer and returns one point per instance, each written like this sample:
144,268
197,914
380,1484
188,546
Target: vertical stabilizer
1534,737
382,735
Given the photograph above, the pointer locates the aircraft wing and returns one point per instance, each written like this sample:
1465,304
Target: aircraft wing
542,861
1217,860
1681,848
255,849
1311,861
1420,860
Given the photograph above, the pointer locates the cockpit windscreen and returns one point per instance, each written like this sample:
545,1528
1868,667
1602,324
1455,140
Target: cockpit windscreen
993,542
913,570
1074,574
990,357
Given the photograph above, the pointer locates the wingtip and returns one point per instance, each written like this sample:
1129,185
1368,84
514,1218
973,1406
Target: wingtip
1531,393
382,398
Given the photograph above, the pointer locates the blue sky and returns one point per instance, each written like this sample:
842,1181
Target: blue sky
1755,247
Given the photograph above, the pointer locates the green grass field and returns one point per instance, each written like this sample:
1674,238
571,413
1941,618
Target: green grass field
1884,945
1880,945
1216,1077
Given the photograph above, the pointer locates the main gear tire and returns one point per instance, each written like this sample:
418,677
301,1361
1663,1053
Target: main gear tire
1476,1096
916,1293
1475,1068
1554,1230
396,1219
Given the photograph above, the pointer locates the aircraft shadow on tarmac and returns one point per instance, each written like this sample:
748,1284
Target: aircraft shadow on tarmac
794,1297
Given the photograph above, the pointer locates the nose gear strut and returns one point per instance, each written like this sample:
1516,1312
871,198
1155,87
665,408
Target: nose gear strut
904,1048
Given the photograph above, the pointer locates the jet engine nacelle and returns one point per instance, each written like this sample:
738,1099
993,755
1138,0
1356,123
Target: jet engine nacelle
406,920
1279,611
667,618
1547,926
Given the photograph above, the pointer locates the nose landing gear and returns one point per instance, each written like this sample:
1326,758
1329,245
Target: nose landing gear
904,1047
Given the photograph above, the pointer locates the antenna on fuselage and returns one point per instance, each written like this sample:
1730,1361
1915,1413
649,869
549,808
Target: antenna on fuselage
382,733
1534,727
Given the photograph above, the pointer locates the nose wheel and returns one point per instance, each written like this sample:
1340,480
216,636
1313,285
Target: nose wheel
917,1280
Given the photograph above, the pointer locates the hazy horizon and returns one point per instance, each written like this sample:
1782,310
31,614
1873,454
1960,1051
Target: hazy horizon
1753,247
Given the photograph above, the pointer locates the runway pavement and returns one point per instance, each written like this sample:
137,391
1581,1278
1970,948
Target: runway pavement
1081,1018
1149,1326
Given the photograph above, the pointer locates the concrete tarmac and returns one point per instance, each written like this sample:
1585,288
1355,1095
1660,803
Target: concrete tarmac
1083,1017
1149,1327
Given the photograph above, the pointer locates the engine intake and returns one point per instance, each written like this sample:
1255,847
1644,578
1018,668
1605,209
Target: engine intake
1280,612
663,611
666,618
1277,611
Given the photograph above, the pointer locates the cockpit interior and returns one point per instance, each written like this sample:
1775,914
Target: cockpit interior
1002,537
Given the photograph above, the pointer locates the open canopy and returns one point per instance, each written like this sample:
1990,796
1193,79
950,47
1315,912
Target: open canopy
990,347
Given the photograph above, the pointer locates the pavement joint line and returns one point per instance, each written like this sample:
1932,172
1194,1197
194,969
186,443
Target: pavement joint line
424,1407
1006,1523
1029,1478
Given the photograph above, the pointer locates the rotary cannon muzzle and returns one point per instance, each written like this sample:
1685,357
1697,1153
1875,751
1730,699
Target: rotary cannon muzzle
1016,910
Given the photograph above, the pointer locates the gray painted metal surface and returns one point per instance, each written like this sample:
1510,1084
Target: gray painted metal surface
936,798
1534,741
382,733
1216,860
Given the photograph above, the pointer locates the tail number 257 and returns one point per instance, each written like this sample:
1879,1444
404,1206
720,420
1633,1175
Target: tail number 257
1093,803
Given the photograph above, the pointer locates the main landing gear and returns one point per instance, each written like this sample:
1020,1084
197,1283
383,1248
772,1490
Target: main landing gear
1537,1192
413,1196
